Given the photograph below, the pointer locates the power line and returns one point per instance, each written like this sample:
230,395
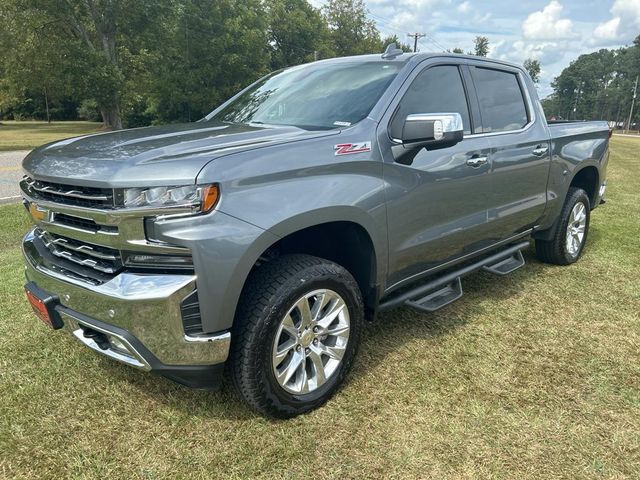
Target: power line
398,29
388,24
416,36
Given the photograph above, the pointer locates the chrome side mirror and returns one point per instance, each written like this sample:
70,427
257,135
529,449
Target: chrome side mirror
432,130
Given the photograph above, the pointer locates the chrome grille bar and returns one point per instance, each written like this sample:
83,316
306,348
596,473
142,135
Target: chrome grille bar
92,196
90,256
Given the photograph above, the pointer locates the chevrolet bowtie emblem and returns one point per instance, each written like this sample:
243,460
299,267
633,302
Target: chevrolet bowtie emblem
35,212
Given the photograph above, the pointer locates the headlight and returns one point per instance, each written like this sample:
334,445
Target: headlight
199,198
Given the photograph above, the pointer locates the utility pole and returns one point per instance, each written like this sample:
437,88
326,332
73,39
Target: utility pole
633,101
416,36
575,104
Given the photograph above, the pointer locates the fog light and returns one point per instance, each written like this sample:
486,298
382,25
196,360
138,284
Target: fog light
158,261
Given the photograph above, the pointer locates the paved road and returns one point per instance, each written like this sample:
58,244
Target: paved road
10,175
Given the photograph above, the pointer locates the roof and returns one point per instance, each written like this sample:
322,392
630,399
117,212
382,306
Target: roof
416,57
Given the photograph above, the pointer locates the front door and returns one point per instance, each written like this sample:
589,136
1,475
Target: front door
437,204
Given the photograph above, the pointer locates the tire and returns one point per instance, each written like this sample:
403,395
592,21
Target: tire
273,300
561,250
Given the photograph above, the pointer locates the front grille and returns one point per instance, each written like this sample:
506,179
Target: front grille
89,197
190,310
102,259
82,223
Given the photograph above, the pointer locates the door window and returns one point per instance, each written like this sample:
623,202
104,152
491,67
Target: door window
435,90
502,104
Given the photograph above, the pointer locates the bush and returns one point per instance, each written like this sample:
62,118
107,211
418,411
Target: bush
88,110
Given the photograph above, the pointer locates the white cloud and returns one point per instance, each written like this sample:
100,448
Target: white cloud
608,30
546,24
464,7
624,25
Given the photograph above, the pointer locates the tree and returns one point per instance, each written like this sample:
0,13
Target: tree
203,58
351,32
481,46
458,51
533,67
394,39
297,33
598,85
96,37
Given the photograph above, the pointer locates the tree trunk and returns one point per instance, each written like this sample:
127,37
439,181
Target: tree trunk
111,118
104,18
46,104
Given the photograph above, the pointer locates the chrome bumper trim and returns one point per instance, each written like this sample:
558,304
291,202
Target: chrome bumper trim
146,306
132,357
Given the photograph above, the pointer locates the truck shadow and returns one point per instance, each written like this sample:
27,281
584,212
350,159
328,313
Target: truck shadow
391,332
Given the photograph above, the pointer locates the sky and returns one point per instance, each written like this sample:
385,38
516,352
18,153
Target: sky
553,31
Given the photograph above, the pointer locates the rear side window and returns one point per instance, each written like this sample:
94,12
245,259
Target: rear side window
501,101
435,90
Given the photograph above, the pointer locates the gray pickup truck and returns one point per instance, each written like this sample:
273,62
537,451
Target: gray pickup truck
261,239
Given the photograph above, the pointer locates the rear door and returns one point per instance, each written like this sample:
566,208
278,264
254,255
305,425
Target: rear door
437,201
519,149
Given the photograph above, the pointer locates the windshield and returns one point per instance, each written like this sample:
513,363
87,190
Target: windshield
316,96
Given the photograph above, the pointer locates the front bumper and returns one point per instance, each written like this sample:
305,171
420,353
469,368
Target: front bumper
140,312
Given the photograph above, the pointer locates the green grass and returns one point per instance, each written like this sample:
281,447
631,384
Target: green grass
535,375
29,135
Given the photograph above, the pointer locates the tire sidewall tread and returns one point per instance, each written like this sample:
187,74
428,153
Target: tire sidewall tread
267,296
554,251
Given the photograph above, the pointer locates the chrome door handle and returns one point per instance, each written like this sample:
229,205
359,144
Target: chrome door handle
476,162
540,150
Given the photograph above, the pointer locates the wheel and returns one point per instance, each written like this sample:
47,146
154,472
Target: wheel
568,242
295,335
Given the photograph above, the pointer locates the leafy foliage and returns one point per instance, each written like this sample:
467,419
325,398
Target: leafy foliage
297,32
394,39
351,32
533,67
161,60
598,85
481,46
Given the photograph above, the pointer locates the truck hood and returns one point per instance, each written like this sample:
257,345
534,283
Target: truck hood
166,155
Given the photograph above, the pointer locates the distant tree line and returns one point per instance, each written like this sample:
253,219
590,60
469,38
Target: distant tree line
598,85
132,63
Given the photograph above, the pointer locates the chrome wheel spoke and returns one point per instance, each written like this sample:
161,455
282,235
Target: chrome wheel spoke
289,327
322,299
332,314
305,312
297,359
302,383
318,367
338,331
282,352
335,353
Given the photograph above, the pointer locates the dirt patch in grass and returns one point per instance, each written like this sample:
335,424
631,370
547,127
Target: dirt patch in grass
535,375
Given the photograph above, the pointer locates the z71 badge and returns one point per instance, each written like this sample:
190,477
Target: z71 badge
347,148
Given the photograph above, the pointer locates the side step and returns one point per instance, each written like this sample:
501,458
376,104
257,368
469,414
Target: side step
444,290
437,299
506,266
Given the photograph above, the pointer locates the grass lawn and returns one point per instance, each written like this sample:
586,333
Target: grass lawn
29,135
535,375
